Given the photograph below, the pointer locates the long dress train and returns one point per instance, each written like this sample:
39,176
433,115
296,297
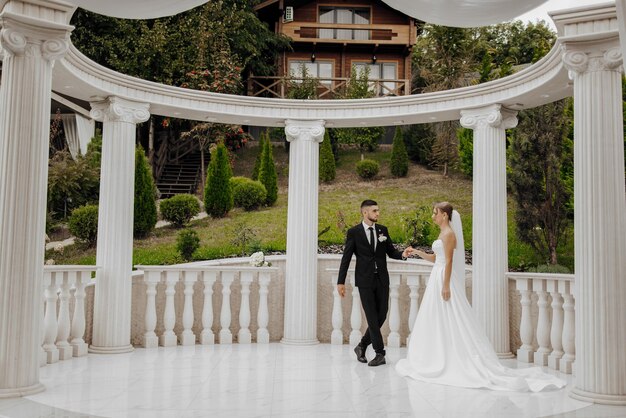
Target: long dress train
448,346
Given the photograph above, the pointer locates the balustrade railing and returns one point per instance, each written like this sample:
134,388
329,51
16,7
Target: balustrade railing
207,276
63,327
548,340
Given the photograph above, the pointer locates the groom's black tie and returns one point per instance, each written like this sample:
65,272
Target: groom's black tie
372,243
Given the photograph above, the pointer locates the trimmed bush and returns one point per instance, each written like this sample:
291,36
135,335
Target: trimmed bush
399,156
327,160
145,216
247,193
466,150
267,174
83,224
550,268
257,163
179,209
218,196
367,169
187,242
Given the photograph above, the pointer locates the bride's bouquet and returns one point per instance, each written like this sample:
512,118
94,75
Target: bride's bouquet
258,260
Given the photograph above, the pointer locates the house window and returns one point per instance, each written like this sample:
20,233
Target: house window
320,69
344,15
380,71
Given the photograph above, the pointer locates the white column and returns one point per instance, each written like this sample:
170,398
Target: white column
188,337
337,315
490,288
599,221
262,334
111,316
151,278
393,340
301,268
244,336
206,336
226,337
168,338
33,36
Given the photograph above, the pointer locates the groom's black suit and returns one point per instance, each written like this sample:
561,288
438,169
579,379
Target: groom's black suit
371,277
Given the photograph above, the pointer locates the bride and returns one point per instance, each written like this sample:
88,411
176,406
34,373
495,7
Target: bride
448,346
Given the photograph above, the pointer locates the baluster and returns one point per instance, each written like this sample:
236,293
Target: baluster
556,331
42,353
63,327
188,337
79,347
543,323
207,336
244,336
355,314
150,339
413,281
527,351
566,363
337,316
50,319
226,337
393,340
262,334
168,339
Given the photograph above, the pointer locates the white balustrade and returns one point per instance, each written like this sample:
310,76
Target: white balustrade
336,336
208,275
62,332
393,340
355,314
555,330
413,281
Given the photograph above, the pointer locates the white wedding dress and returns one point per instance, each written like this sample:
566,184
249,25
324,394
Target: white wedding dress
448,345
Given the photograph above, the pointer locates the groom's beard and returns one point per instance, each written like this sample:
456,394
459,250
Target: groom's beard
372,220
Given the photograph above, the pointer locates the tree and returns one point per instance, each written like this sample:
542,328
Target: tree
466,150
145,216
327,160
218,196
358,87
267,173
419,140
399,156
304,87
263,137
537,154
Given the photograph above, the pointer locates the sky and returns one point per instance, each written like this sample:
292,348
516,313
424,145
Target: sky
541,12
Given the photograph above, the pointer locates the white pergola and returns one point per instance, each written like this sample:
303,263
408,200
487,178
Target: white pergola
38,57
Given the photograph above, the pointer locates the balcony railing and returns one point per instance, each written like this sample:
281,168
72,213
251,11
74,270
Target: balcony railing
327,88
351,33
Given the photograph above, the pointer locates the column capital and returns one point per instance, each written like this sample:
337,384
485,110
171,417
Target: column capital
27,36
495,116
305,130
116,109
579,61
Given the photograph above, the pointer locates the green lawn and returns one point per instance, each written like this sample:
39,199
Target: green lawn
397,198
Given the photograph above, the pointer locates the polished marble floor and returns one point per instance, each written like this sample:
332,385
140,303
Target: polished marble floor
268,381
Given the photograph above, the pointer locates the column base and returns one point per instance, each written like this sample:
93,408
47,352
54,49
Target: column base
291,341
188,338
207,338
336,337
226,337
151,341
600,398
393,340
23,391
111,350
355,337
262,336
244,336
525,356
504,356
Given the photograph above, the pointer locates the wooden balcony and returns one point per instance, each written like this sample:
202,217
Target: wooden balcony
341,33
328,88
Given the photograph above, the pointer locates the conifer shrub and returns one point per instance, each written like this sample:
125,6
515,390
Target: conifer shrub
248,194
145,216
218,195
399,157
367,169
327,160
267,174
257,163
83,224
179,209
187,243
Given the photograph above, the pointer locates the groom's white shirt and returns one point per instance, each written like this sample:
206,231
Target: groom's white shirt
367,233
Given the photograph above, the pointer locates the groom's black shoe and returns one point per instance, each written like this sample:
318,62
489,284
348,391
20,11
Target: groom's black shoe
360,353
378,360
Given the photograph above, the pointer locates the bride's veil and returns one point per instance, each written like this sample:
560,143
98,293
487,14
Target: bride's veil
458,260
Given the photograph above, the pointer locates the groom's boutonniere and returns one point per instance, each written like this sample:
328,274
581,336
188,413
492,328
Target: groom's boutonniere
382,238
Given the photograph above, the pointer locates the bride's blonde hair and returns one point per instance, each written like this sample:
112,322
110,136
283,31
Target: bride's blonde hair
446,208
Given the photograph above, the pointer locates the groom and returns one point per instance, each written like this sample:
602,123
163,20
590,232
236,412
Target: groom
371,244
